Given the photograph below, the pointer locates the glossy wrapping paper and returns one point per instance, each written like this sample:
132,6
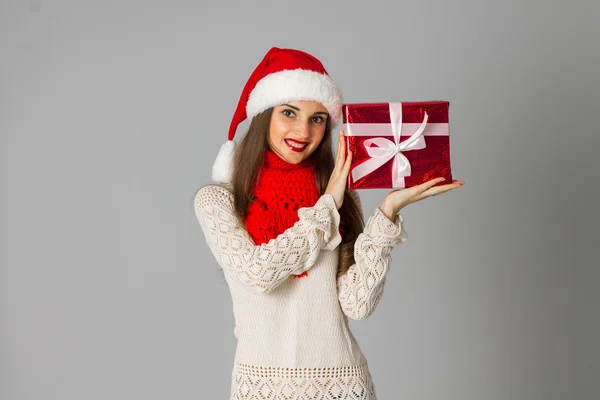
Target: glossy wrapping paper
365,126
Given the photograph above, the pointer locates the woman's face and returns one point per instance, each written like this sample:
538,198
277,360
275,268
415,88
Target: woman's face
297,129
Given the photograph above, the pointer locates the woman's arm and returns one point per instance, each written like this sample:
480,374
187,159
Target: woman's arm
262,268
361,288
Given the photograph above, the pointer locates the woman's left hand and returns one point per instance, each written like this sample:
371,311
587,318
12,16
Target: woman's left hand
398,199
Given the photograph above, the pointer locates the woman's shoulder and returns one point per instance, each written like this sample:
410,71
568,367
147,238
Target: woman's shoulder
213,195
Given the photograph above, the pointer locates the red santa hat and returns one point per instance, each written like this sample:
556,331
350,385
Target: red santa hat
282,76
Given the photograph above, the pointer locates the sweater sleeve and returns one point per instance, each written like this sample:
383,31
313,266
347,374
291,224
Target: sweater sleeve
361,287
261,268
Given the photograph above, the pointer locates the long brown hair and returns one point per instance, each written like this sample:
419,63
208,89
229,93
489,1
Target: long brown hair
247,164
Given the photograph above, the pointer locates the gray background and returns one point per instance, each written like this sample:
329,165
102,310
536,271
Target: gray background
112,113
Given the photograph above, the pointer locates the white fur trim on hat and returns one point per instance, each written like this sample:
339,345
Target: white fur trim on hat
293,85
223,165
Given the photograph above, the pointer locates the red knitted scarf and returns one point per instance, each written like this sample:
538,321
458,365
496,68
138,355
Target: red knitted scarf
281,189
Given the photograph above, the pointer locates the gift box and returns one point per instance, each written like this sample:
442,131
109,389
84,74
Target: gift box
397,145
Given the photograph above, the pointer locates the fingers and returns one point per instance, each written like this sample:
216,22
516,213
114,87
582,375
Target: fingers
419,189
342,150
337,156
346,169
403,197
339,176
341,153
432,191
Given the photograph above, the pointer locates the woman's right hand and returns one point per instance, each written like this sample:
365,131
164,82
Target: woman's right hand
339,177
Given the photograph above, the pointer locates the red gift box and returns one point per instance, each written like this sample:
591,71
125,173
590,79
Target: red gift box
397,145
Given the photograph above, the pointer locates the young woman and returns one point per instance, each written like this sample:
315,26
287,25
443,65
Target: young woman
291,240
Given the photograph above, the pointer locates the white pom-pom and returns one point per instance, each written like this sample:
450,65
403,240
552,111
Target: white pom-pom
223,166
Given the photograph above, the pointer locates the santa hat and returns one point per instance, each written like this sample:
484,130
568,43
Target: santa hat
283,75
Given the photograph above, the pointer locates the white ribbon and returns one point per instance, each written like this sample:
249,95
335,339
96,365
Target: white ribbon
387,149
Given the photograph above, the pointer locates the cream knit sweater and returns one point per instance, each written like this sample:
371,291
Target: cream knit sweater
293,339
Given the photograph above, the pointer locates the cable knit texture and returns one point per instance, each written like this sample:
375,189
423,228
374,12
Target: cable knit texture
293,338
280,191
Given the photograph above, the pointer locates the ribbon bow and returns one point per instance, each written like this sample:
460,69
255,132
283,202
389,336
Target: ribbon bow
386,149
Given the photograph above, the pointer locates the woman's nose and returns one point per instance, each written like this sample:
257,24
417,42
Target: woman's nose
303,129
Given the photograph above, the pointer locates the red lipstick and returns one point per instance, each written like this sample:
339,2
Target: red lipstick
296,149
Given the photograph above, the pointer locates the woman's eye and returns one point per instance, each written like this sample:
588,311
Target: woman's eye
288,113
318,119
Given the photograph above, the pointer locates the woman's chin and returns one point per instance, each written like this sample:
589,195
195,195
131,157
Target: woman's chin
294,157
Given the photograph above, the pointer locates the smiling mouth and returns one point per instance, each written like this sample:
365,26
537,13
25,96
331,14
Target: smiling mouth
295,145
